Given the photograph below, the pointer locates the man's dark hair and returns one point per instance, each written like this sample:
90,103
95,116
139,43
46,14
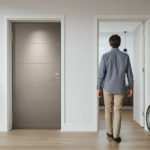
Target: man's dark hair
115,40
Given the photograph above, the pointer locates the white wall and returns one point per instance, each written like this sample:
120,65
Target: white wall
79,45
105,47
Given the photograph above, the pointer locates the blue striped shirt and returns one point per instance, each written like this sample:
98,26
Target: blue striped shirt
112,69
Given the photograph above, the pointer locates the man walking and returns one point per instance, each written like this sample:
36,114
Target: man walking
113,67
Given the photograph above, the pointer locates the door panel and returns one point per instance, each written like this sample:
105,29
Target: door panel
36,53
36,73
36,76
147,69
34,93
138,64
37,33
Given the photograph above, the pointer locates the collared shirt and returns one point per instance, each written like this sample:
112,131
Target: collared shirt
113,67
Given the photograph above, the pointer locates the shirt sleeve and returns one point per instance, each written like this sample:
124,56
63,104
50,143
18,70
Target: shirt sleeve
101,73
129,74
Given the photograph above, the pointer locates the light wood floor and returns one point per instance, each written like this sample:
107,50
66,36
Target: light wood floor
133,137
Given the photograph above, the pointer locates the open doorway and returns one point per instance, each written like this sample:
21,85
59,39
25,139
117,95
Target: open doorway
132,38
137,30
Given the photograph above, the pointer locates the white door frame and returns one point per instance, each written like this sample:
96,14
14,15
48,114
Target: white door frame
98,18
8,19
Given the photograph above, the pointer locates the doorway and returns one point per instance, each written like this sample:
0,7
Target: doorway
144,93
132,38
8,20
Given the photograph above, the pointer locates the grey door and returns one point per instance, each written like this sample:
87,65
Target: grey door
36,75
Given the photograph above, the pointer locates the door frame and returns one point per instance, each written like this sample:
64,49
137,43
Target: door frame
98,18
8,19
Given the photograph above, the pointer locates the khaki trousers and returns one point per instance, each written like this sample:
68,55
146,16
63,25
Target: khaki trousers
108,101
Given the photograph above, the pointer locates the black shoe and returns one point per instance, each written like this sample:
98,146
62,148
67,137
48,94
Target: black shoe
109,135
117,140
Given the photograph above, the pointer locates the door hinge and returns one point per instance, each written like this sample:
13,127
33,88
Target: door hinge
142,113
142,69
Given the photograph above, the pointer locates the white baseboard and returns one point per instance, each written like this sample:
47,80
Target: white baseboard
87,127
122,108
71,127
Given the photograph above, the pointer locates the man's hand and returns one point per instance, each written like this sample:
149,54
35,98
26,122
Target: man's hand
129,93
98,93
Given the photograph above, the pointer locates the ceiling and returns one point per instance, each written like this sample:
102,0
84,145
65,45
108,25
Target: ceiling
119,26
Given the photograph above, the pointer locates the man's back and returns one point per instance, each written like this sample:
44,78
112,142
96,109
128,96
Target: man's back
114,65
